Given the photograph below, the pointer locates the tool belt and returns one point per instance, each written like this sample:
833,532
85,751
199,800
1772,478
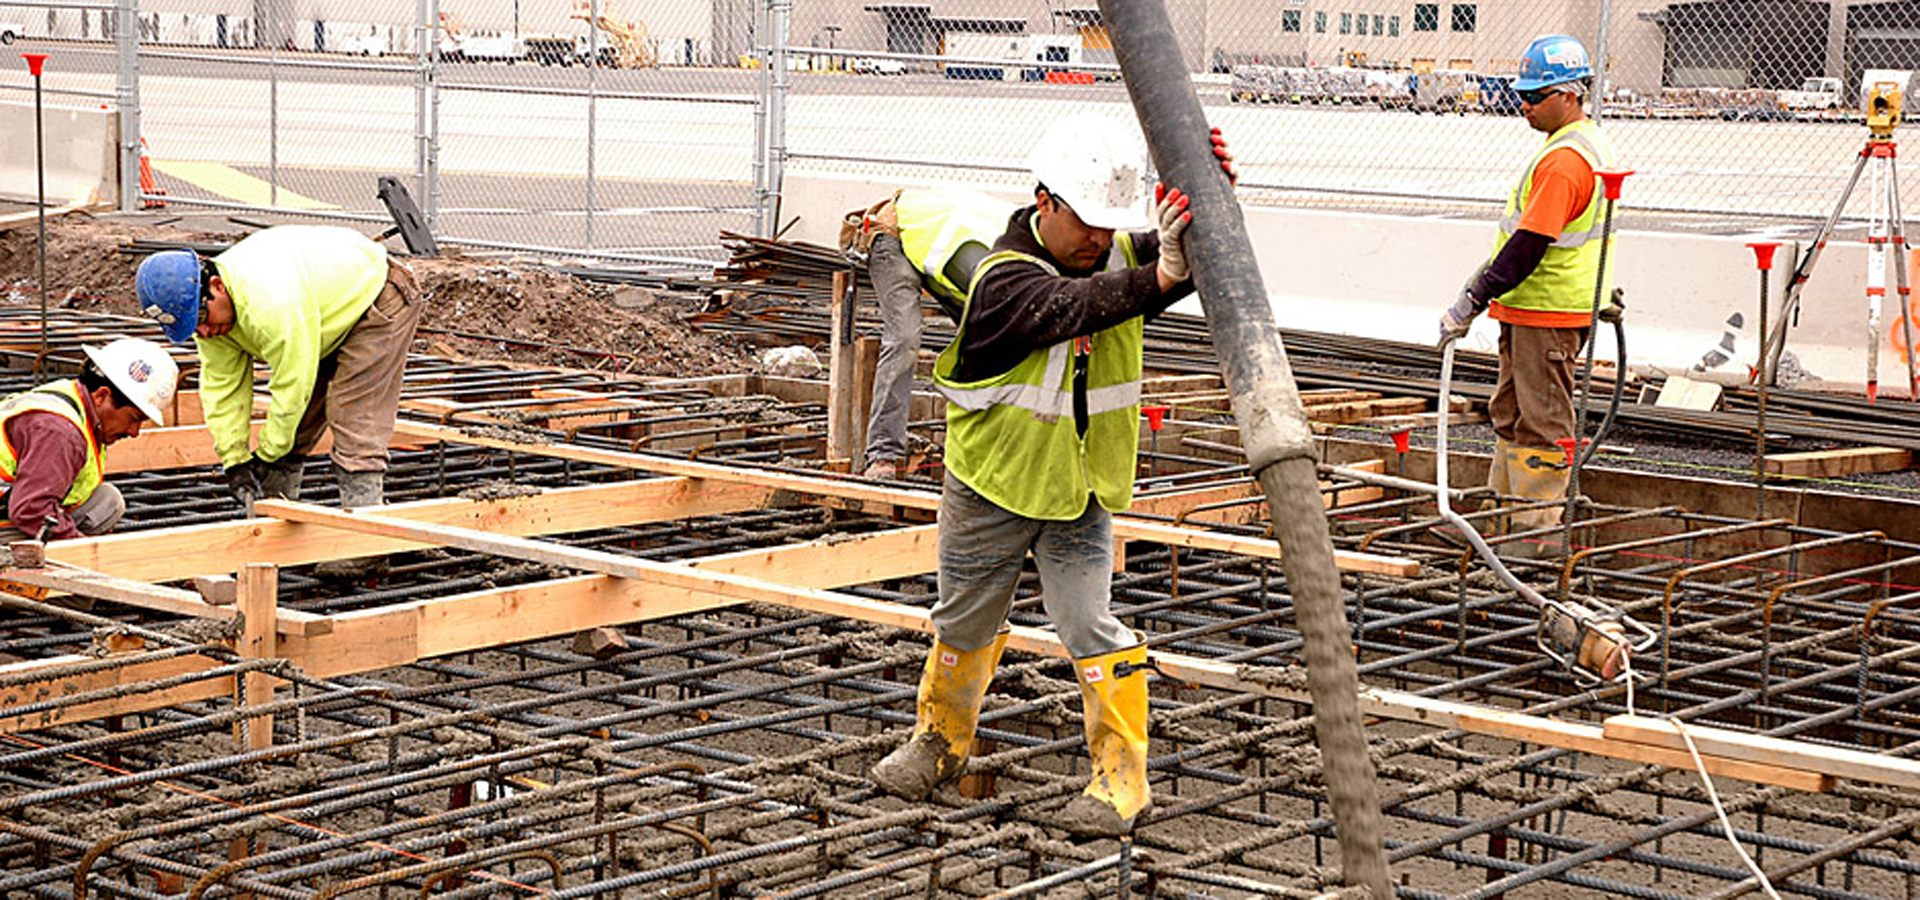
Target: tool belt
858,226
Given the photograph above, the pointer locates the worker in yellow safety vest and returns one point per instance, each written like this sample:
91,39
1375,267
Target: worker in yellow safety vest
1042,382
53,439
1539,284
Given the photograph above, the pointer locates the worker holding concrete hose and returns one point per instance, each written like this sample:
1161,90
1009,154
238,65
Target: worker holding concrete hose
1539,284
919,237
53,456
1042,382
332,317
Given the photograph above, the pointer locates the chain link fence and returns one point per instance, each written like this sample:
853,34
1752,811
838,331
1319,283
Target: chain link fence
640,129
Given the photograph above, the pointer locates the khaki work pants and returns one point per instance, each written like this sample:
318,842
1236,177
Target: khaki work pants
1532,403
357,393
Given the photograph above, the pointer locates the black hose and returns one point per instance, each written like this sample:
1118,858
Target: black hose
1267,407
1613,405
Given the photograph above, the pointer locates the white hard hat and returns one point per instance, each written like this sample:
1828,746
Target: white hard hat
143,371
1098,165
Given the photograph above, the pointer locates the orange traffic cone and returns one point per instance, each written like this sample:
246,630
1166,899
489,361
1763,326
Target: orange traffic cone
147,187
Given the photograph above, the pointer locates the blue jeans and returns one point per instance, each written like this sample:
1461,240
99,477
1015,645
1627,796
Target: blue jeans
982,549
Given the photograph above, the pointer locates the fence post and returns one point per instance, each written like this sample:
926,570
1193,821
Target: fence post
765,91
1604,62
126,89
781,12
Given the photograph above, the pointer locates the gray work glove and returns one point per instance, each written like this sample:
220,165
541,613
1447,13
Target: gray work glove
1170,209
1459,317
243,482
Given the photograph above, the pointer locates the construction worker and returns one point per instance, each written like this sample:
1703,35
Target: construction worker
1042,383
53,451
919,237
331,315
1539,283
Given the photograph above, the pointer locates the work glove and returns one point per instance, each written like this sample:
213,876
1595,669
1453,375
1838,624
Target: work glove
1170,208
1616,309
243,482
280,478
1459,317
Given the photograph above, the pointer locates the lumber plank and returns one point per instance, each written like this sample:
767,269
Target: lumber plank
1835,463
256,600
145,672
70,579
1765,750
846,493
177,553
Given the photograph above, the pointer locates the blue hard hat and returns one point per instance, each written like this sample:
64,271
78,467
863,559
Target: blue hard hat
1552,59
168,285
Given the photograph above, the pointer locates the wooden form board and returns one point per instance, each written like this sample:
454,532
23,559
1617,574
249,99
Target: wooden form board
381,638
1835,463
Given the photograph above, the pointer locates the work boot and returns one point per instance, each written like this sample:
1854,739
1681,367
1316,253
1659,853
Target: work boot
1113,691
951,688
357,489
882,470
1535,475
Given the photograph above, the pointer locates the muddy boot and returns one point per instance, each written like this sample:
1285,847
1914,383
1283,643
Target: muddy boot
951,688
357,489
1113,691
1536,475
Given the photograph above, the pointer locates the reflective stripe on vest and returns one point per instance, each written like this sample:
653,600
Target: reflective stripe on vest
1012,437
62,398
935,223
1563,281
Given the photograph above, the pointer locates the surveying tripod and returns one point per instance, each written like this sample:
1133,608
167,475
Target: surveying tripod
1885,223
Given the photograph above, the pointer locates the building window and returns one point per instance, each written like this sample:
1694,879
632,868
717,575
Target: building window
1393,26
1463,16
1426,17
1378,20
1320,22
1290,20
1346,23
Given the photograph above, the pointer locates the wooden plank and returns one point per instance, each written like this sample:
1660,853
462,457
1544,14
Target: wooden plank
845,493
70,579
1681,392
1835,463
1348,413
1762,749
866,361
146,672
1175,384
183,552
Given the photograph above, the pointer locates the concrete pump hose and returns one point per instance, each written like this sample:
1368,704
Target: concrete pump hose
1266,405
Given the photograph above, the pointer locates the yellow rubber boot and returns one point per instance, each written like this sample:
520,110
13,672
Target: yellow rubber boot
951,688
1113,690
1537,475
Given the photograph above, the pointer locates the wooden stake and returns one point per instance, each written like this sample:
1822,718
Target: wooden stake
258,603
840,374
866,359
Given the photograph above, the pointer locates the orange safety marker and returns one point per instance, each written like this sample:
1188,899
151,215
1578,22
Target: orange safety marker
147,186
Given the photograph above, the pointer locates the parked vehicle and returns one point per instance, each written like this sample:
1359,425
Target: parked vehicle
364,45
1250,83
11,31
868,65
1814,93
1442,91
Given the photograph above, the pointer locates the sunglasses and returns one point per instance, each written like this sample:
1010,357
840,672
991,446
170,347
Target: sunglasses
1535,98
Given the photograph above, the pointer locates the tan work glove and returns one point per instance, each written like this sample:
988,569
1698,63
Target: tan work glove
1170,208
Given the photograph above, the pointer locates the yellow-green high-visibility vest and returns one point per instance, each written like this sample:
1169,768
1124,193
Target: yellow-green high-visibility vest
62,398
1013,438
1563,282
946,234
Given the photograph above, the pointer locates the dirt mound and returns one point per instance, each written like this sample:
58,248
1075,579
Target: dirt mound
480,308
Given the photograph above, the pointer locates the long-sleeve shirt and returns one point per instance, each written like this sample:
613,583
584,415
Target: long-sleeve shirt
51,453
297,290
1019,307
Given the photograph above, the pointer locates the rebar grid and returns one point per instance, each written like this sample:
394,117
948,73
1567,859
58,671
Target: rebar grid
723,753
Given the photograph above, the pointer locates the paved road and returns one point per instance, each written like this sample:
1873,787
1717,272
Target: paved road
682,139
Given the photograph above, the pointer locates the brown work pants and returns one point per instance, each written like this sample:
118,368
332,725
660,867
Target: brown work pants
1532,403
357,392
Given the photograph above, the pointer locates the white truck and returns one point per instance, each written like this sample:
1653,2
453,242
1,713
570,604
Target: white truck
1815,93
